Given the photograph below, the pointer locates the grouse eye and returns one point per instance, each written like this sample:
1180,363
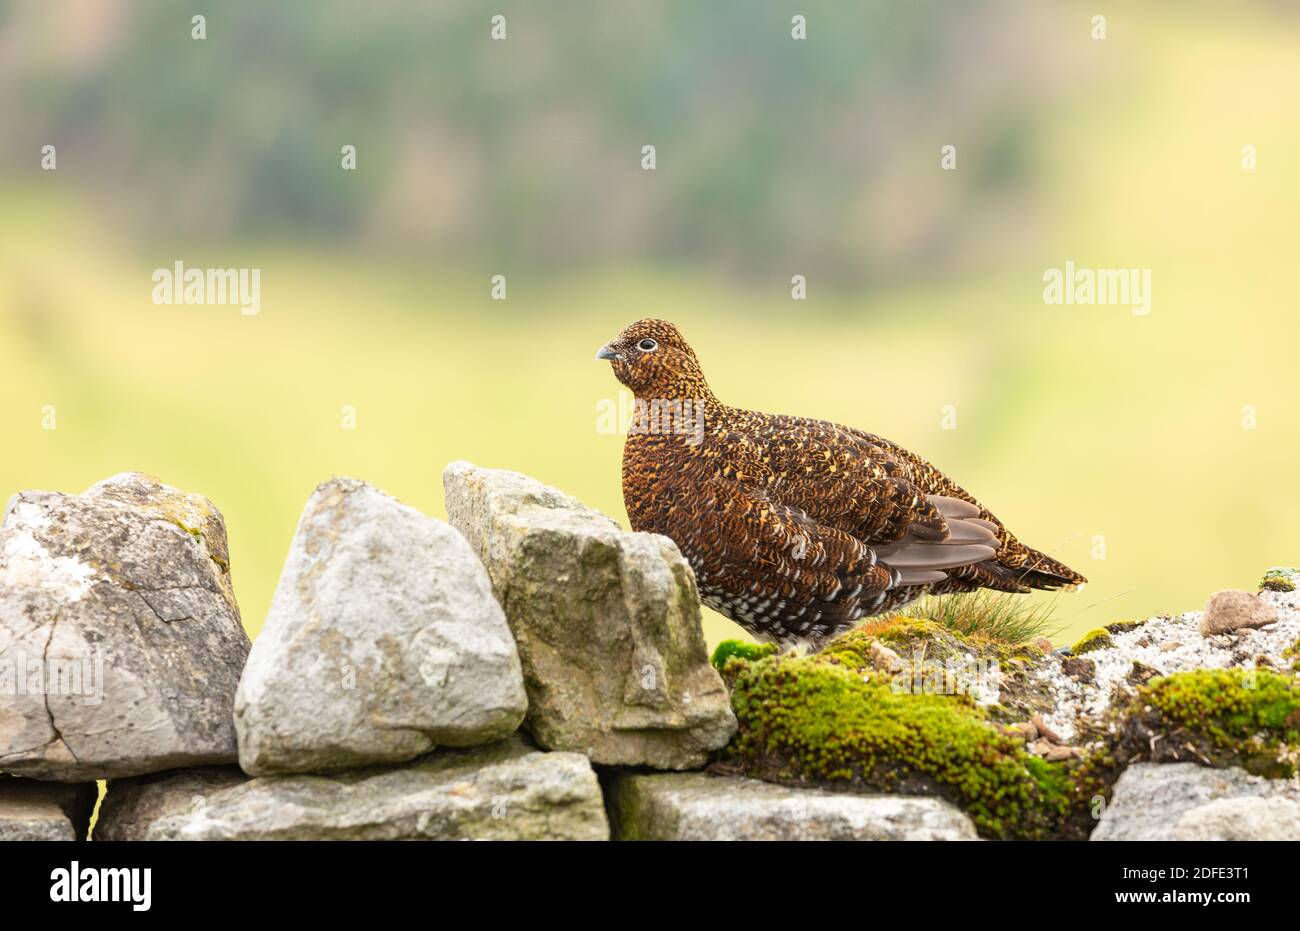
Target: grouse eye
647,345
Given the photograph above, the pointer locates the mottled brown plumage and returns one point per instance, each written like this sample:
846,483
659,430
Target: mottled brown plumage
797,528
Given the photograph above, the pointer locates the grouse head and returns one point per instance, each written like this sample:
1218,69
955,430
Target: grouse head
653,359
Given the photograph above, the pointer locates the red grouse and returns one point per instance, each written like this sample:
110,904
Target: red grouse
797,528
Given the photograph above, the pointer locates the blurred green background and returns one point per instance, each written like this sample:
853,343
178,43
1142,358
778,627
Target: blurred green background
1114,441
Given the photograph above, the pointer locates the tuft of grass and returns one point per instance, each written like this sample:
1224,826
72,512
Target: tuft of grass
996,616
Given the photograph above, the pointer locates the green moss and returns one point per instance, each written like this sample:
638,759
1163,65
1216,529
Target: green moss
823,720
902,631
918,640
741,649
1278,580
1097,639
913,636
1222,717
1236,702
849,718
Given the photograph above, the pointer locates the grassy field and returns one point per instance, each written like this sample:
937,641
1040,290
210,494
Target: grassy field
1113,441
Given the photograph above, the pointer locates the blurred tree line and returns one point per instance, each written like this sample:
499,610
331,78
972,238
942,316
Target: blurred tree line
819,156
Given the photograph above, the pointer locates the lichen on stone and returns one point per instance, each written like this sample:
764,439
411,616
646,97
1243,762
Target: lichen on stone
191,513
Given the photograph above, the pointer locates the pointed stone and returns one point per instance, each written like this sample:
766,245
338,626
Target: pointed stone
607,623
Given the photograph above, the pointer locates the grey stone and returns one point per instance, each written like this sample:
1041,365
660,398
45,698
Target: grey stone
33,810
1244,818
695,806
1231,610
607,623
504,791
120,639
1184,801
382,642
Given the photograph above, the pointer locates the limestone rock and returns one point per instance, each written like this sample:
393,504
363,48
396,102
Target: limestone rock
607,623
120,639
695,806
33,810
1185,801
382,642
1231,610
504,791
1241,819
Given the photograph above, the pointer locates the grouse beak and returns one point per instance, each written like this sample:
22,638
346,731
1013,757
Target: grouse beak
606,353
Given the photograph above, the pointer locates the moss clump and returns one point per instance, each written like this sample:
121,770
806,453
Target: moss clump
906,634
930,651
1278,580
824,720
741,649
1098,639
1218,717
903,635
